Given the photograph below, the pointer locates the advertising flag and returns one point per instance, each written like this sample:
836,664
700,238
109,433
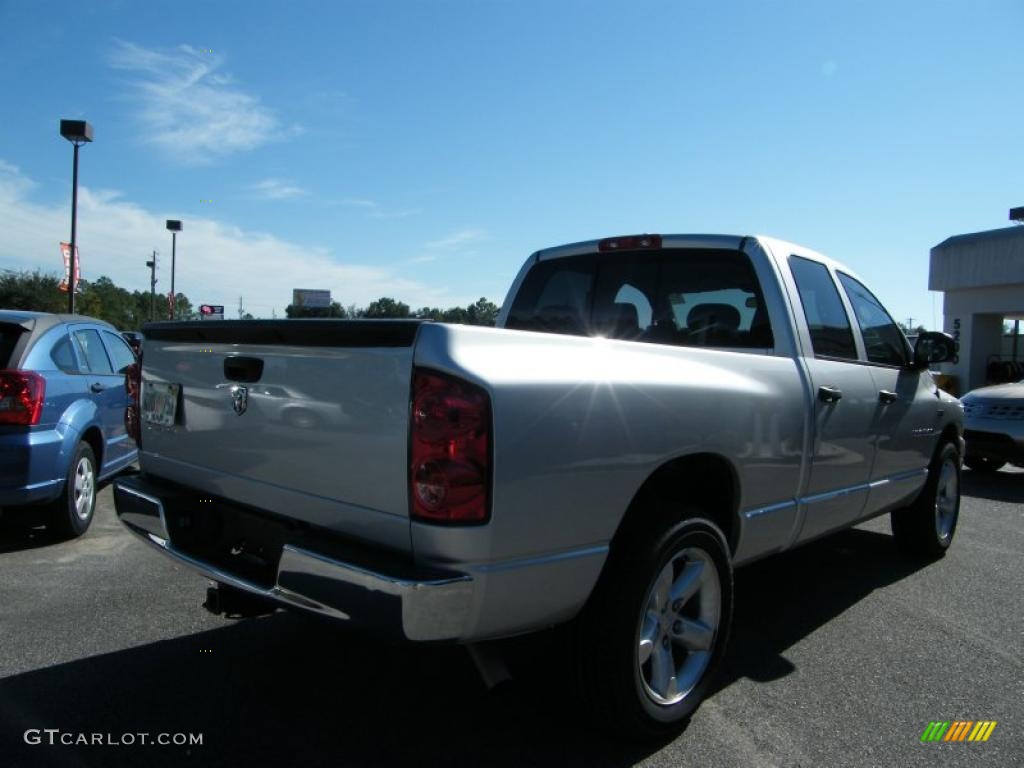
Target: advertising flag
65,250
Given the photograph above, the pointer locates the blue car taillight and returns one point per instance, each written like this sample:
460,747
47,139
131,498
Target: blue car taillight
22,394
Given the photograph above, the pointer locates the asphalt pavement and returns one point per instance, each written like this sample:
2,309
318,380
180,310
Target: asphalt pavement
842,654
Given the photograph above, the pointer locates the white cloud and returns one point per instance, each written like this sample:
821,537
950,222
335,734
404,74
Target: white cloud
216,262
277,189
192,110
458,240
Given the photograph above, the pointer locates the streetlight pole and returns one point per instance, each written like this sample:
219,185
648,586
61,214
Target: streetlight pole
174,227
78,132
152,286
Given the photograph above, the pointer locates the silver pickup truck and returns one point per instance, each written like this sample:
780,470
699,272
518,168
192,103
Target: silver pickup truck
652,412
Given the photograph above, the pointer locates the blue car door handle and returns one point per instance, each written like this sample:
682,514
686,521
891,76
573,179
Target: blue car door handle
97,387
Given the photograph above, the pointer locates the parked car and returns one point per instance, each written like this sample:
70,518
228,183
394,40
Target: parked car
651,413
134,339
994,426
62,415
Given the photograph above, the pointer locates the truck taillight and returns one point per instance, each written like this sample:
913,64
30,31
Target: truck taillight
133,386
450,451
22,394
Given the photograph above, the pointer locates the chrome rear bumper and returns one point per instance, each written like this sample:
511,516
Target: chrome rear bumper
407,602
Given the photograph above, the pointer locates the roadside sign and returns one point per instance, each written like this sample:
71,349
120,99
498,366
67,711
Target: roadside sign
307,297
211,311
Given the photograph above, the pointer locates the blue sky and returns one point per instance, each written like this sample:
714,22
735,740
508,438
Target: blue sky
422,150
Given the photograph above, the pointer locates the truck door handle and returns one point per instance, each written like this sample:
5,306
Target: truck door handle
885,397
830,394
97,387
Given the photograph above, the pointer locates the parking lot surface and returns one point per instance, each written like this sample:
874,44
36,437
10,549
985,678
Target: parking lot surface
842,653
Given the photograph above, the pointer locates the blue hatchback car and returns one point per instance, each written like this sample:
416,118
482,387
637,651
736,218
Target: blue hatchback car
62,414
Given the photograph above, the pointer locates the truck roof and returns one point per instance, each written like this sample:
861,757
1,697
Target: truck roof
710,241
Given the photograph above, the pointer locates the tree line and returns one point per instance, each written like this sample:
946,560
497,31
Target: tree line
480,312
130,310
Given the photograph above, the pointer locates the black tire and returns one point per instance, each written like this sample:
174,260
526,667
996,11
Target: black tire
926,528
71,514
616,683
983,464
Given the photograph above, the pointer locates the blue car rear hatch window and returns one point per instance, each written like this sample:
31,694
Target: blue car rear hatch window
9,335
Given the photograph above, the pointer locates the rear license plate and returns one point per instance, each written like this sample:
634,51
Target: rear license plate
160,403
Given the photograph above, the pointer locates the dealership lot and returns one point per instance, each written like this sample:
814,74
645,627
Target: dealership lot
842,653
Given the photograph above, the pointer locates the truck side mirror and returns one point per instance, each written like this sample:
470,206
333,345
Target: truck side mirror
933,347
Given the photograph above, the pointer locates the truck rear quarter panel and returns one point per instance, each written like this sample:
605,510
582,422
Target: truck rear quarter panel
581,423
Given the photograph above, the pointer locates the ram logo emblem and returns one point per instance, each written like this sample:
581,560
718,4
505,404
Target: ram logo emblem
239,399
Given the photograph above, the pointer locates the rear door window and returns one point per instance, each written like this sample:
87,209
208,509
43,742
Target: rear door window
831,334
90,349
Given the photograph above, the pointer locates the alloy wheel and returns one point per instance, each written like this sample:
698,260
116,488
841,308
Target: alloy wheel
678,625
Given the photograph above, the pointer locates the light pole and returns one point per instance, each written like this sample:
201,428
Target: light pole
78,132
152,286
174,227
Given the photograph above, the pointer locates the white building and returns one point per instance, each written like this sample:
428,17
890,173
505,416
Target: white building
982,275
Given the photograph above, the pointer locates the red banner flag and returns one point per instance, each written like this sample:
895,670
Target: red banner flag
65,250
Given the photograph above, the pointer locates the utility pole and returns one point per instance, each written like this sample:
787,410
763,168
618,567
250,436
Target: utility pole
241,311
152,287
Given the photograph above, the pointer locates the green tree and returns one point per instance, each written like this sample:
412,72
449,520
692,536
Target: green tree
183,309
456,315
33,291
335,310
387,307
429,313
104,300
483,312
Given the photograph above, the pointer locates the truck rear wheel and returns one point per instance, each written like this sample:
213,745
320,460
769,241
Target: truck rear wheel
654,632
926,527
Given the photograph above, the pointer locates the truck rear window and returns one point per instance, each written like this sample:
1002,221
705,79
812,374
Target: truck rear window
706,298
9,335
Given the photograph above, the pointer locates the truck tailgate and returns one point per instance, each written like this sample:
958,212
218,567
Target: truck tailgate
304,418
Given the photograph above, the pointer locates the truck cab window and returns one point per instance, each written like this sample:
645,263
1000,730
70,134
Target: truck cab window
624,296
555,297
713,299
683,297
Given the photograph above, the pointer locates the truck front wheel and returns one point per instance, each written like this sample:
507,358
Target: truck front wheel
926,528
655,630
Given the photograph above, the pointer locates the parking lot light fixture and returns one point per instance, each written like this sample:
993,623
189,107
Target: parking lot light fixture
174,227
78,132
